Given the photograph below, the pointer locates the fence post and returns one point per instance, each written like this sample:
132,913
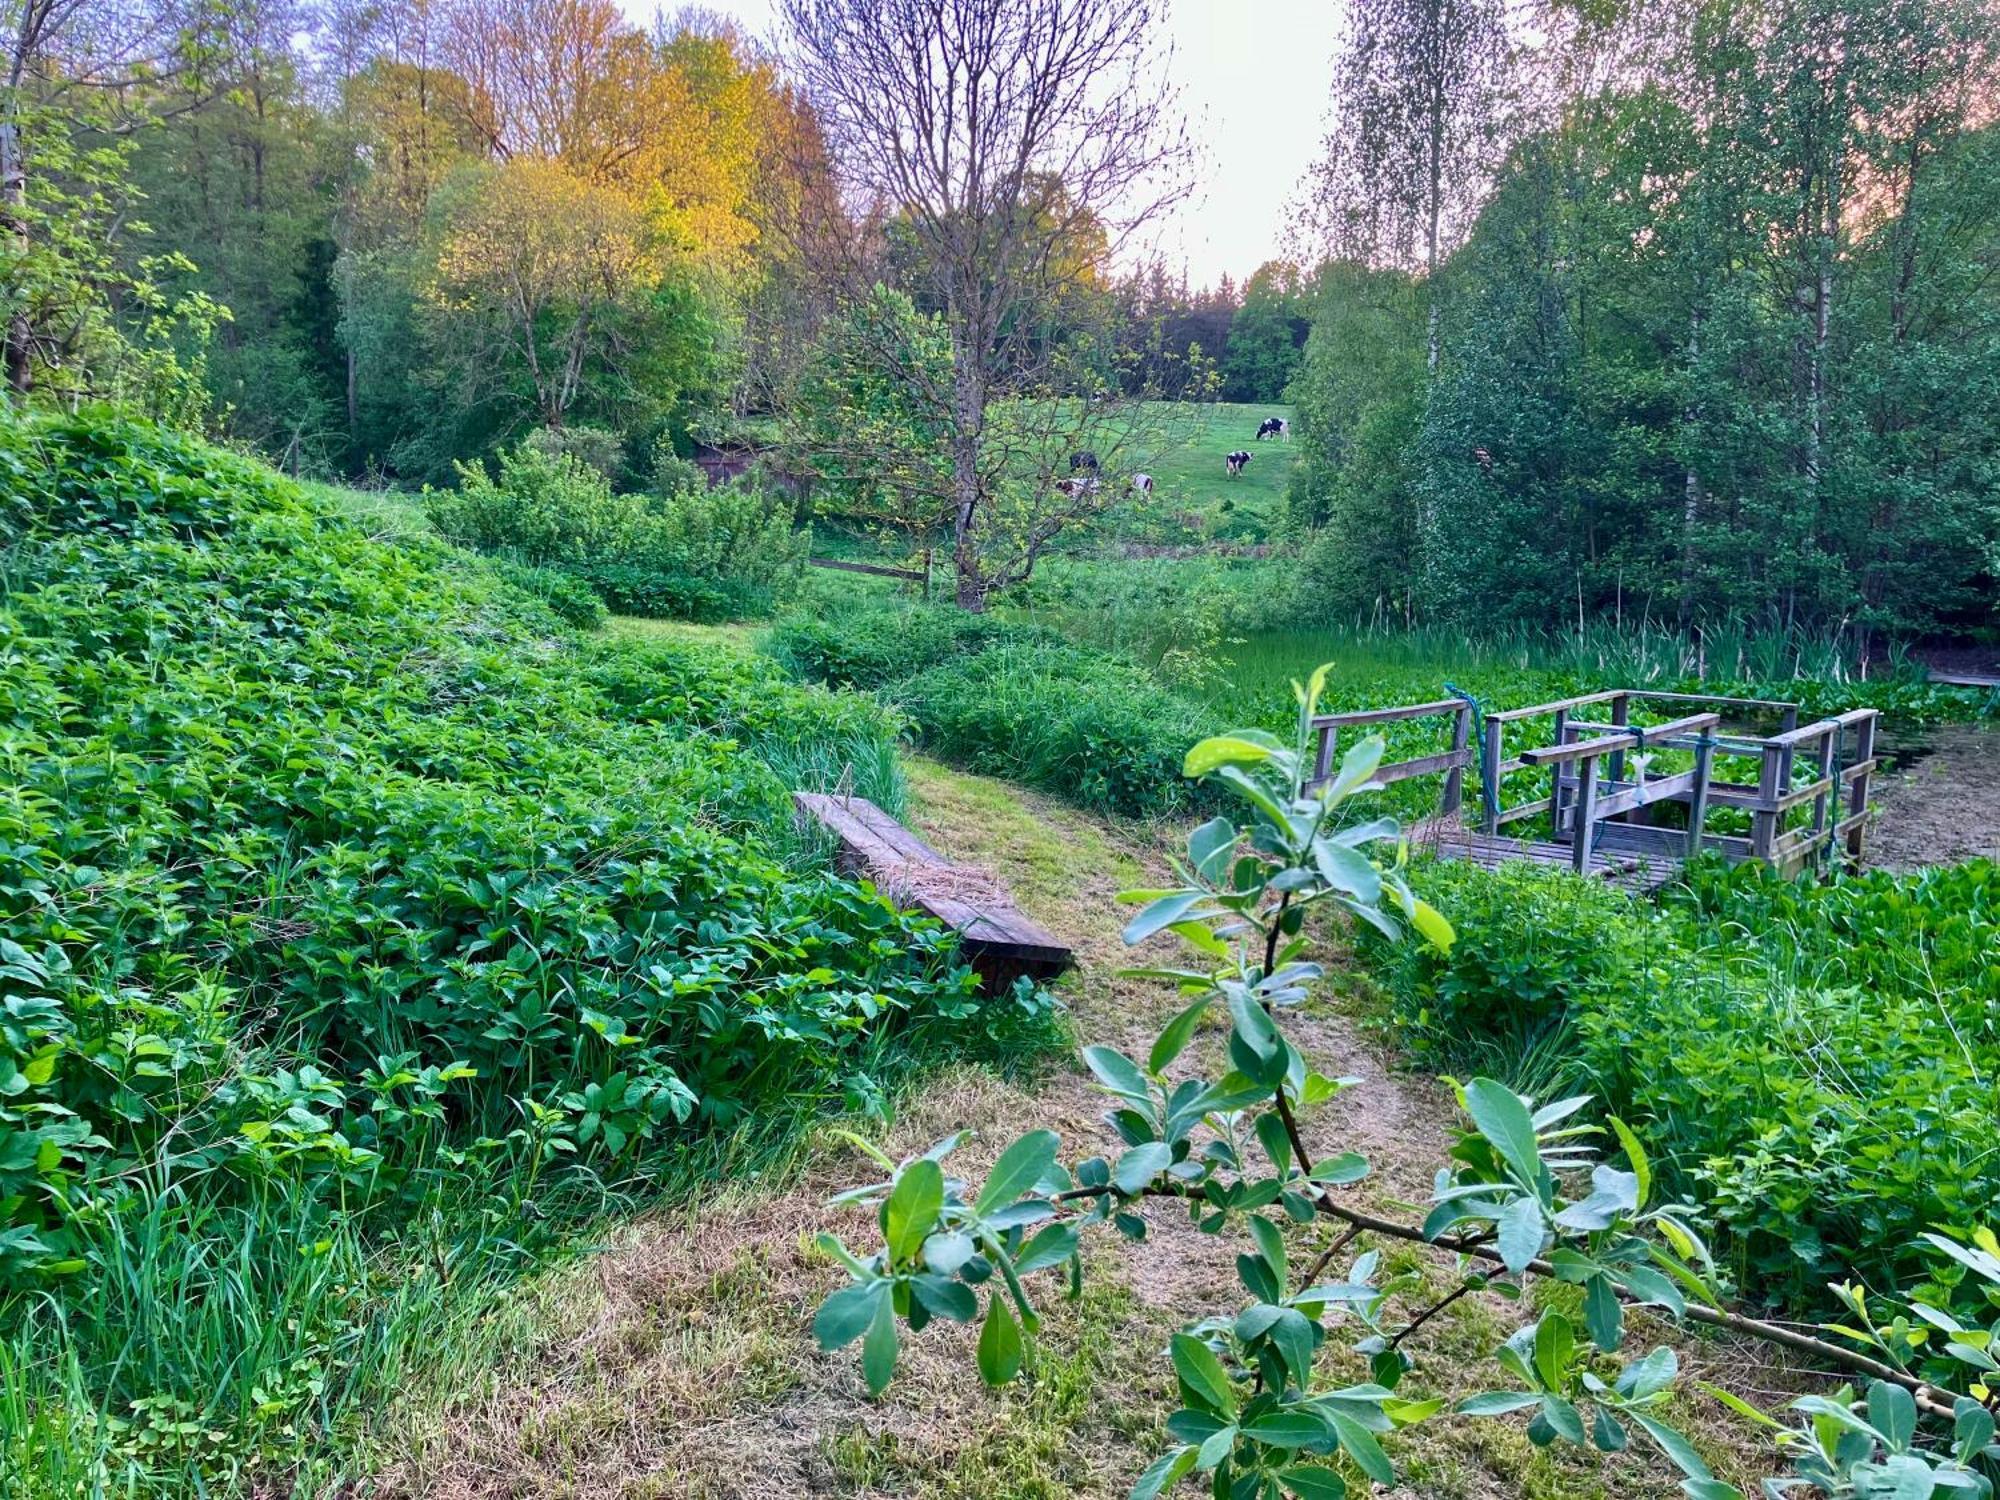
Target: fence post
1864,752
1764,817
1704,754
1586,813
1489,772
1454,781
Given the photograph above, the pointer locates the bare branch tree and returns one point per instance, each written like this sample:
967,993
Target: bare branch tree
1005,148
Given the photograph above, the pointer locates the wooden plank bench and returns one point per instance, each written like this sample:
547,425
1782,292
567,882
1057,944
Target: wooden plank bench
999,940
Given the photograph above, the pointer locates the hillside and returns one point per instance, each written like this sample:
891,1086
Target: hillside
364,933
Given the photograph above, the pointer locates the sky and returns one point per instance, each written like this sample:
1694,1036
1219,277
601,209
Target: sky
1254,77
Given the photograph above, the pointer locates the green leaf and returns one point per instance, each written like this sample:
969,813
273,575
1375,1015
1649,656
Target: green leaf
1202,1377
1636,1155
1555,1344
1359,1444
1347,872
878,1350
1224,750
1675,1446
1893,1412
1500,1116
1210,848
1521,1230
1019,1168
1178,1033
1602,1314
1253,1024
1313,1483
1564,1418
1055,1244
1161,914
1117,1072
1168,1469
946,1298
999,1343
1496,1403
1288,1429
1139,1166
1270,1244
911,1211
1337,1171
845,1315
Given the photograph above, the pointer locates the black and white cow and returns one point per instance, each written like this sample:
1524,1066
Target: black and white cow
1235,461
1273,427
1142,484
1081,461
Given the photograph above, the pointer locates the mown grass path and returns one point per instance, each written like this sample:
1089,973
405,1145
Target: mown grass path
680,1362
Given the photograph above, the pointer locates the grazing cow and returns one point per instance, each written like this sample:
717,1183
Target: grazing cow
1075,488
1235,461
1142,484
1273,427
1083,460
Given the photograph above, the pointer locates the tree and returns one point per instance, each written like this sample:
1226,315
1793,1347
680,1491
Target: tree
1013,144
537,280
75,92
1418,93
1267,335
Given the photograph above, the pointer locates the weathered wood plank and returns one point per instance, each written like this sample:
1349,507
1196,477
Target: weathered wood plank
1537,710
998,939
1428,765
878,570
1387,715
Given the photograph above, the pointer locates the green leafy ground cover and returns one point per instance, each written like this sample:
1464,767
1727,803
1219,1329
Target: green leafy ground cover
1815,1063
364,932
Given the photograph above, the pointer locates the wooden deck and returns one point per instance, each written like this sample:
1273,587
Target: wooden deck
1592,803
1630,871
999,940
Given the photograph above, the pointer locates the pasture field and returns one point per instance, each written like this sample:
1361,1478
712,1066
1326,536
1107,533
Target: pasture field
1194,499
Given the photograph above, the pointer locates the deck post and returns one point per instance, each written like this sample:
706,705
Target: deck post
1764,817
1558,776
1489,774
1454,781
1586,814
1704,754
1827,801
1864,752
1621,716
1323,763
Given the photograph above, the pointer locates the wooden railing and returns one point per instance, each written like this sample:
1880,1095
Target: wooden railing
1593,805
1451,764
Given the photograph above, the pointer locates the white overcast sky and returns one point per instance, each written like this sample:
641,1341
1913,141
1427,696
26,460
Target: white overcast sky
1254,77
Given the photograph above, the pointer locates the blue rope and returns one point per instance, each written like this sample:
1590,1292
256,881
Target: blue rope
1489,796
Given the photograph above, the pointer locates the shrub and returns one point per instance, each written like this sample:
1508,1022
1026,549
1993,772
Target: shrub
336,883
599,447
1012,700
878,647
569,598
543,507
1814,1062
1095,730
692,553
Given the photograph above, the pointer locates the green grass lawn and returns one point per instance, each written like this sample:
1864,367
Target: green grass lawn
1194,498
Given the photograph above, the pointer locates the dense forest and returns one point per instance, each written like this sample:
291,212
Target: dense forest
1680,314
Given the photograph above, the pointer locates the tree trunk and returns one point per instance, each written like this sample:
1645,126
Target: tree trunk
14,224
968,402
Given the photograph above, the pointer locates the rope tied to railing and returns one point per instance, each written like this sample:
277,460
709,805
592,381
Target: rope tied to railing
1489,796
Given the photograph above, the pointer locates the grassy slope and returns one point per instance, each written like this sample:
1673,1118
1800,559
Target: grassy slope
1190,479
682,1362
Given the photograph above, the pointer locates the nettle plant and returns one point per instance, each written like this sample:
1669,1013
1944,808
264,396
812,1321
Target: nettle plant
1527,1193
